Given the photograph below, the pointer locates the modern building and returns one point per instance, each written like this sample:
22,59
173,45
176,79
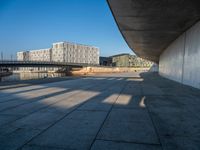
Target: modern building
127,60
121,60
40,55
105,61
23,56
166,32
63,52
75,53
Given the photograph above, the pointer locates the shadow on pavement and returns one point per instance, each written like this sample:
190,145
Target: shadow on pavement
116,111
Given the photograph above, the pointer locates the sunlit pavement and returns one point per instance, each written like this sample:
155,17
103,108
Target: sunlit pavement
126,111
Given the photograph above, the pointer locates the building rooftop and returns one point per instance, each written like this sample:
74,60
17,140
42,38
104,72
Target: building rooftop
122,54
75,43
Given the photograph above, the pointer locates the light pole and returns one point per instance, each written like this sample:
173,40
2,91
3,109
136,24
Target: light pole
2,56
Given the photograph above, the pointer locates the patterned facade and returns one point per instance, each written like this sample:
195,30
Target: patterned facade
127,60
63,52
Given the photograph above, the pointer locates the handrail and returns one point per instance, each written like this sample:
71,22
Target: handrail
45,63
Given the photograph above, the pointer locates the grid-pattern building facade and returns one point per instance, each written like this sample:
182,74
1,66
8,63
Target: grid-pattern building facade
40,55
20,56
75,53
63,52
23,56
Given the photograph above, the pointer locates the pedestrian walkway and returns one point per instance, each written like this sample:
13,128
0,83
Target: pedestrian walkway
124,111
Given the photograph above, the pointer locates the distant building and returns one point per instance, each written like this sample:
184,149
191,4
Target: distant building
121,60
105,61
127,60
63,52
23,56
40,55
75,53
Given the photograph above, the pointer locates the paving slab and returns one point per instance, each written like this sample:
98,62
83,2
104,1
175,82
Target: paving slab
5,119
5,130
16,139
114,145
99,105
130,102
115,111
105,100
35,147
133,88
37,104
76,131
150,89
39,120
138,132
177,124
129,115
180,143
41,93
159,101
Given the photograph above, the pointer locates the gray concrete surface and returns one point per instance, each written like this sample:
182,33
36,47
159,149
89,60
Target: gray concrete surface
149,26
167,32
122,111
180,61
23,83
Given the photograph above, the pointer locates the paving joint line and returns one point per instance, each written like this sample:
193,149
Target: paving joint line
90,110
153,123
29,84
124,86
56,122
48,147
40,108
129,142
41,98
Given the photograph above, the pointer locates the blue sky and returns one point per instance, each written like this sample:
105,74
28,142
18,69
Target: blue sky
35,24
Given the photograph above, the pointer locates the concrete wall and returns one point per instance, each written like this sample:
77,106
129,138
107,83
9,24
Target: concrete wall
181,60
96,70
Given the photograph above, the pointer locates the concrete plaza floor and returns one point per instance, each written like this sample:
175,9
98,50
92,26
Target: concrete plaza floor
124,111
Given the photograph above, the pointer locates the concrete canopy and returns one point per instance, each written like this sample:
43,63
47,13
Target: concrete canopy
149,26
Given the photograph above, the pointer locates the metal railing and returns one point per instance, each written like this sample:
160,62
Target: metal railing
42,63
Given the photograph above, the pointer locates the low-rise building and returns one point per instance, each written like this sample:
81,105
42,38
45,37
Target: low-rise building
127,60
105,61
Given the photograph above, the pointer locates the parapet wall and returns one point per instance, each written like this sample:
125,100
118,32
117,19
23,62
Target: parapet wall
181,60
96,70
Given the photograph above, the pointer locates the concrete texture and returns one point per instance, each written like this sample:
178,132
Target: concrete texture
118,111
180,61
104,69
149,26
171,60
167,32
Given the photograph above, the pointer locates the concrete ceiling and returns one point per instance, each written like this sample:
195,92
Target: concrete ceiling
149,26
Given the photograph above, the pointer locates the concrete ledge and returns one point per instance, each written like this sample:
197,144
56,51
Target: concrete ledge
97,70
